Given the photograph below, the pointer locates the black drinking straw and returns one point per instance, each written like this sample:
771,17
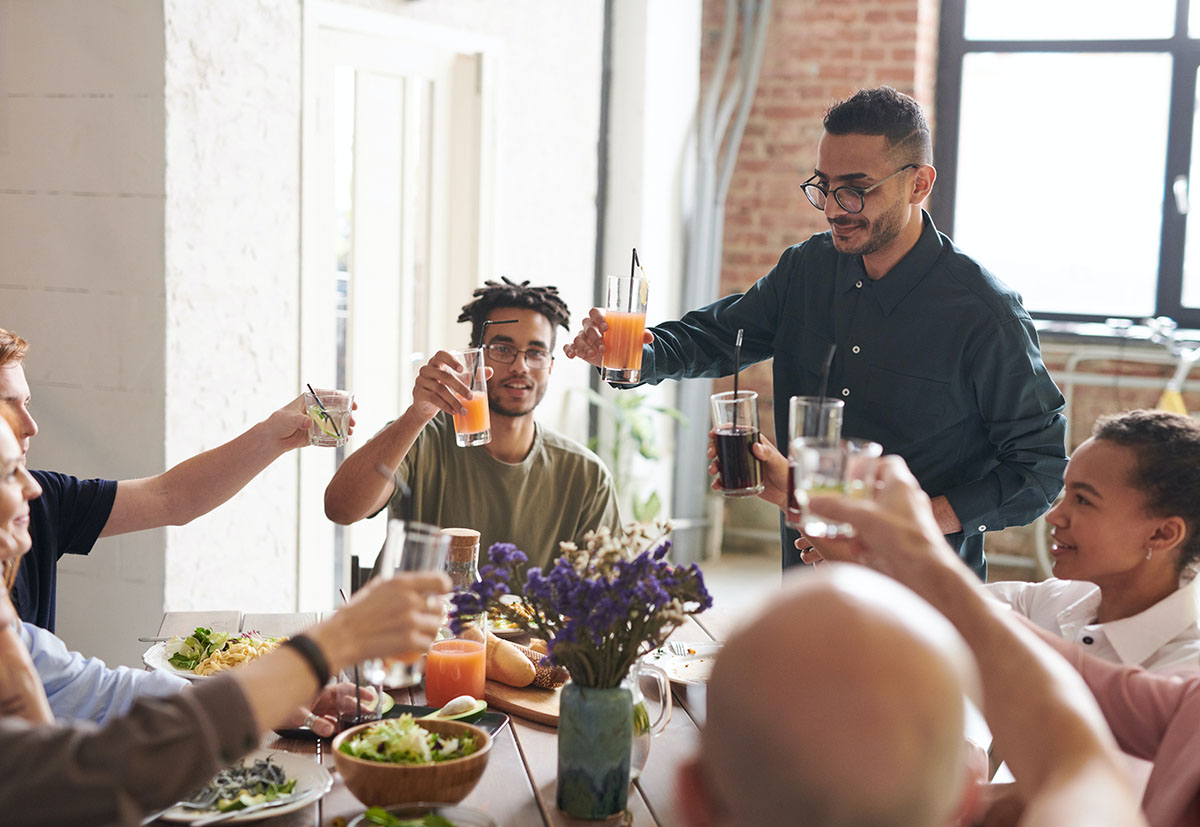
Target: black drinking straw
821,395
632,264
357,694
737,367
483,331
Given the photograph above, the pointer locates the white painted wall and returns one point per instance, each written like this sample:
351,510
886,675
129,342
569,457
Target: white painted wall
232,91
81,246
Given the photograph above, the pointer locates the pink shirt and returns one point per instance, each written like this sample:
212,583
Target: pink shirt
1153,716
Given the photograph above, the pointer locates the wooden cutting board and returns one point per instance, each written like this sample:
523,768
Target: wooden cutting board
540,705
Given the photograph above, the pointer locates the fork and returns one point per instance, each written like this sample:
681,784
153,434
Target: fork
199,802
678,648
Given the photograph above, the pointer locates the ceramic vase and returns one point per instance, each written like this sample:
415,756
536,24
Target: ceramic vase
595,736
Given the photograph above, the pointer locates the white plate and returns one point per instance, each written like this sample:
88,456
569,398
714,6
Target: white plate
694,667
312,782
156,658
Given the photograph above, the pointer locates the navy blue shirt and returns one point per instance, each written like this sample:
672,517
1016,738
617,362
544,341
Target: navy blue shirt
937,361
66,519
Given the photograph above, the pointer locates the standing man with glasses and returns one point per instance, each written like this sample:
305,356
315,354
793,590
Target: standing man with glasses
935,358
528,485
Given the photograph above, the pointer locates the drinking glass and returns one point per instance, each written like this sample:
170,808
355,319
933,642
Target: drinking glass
331,423
475,426
454,667
735,426
847,468
625,312
812,419
408,547
360,705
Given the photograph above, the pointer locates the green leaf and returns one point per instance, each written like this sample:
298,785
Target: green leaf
645,512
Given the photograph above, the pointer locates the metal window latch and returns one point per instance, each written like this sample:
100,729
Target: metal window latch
1180,188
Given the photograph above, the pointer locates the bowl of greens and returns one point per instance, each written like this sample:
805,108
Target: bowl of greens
423,815
404,761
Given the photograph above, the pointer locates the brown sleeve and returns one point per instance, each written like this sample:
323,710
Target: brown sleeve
162,750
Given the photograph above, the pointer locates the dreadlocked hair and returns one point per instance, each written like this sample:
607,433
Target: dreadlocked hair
506,293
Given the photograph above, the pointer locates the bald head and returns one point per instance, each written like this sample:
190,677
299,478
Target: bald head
842,704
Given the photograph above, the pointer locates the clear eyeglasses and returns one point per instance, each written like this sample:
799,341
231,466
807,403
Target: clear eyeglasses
535,357
850,199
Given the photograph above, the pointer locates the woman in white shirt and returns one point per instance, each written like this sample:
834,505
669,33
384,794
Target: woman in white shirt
1125,538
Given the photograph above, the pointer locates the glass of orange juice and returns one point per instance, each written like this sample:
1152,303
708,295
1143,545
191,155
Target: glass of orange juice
475,426
625,312
454,667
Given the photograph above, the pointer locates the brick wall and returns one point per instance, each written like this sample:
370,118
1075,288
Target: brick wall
817,51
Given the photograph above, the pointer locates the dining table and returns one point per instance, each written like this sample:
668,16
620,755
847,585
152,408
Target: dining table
518,787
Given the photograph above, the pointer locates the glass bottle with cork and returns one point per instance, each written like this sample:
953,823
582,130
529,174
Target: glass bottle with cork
462,560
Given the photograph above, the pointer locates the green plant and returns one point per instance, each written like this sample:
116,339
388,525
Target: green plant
632,415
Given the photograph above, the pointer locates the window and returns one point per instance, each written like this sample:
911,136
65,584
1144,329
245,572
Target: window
1065,152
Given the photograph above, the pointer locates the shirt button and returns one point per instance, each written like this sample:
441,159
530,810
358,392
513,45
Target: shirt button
983,528
1088,639
845,391
858,284
856,348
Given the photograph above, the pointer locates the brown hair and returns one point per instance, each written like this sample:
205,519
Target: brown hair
12,348
507,293
1167,466
9,416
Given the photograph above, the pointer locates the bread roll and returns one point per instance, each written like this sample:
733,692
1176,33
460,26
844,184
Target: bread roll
538,645
508,664
545,676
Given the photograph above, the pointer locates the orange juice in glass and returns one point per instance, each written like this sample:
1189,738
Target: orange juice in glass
454,667
475,426
625,312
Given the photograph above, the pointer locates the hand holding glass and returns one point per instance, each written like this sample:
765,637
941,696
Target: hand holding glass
408,547
847,468
735,430
475,426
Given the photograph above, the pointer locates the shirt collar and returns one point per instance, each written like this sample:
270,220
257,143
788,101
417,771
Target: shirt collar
908,272
1137,638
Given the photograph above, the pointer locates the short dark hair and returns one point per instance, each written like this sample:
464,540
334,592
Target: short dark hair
1167,469
506,293
884,111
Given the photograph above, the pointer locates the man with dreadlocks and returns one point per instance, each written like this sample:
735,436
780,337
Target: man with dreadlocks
528,485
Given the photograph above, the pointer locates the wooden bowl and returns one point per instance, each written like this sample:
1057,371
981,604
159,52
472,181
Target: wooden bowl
380,784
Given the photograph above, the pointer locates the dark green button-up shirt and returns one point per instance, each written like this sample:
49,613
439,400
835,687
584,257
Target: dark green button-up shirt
937,361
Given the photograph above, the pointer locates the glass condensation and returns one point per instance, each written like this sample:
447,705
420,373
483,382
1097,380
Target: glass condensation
1059,191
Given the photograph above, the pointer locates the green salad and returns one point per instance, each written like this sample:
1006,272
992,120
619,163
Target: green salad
380,816
197,646
403,741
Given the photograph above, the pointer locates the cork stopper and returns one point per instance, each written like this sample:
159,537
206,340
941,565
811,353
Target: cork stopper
464,544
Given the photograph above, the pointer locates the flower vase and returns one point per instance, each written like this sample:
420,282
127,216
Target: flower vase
595,736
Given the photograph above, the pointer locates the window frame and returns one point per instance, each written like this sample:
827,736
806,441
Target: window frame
953,47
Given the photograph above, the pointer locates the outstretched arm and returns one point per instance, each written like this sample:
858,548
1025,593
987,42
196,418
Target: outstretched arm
198,485
363,483
1042,715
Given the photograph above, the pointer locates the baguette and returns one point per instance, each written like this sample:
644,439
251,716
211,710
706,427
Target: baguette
538,645
508,664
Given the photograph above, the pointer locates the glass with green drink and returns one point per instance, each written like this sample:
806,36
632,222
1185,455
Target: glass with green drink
846,468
